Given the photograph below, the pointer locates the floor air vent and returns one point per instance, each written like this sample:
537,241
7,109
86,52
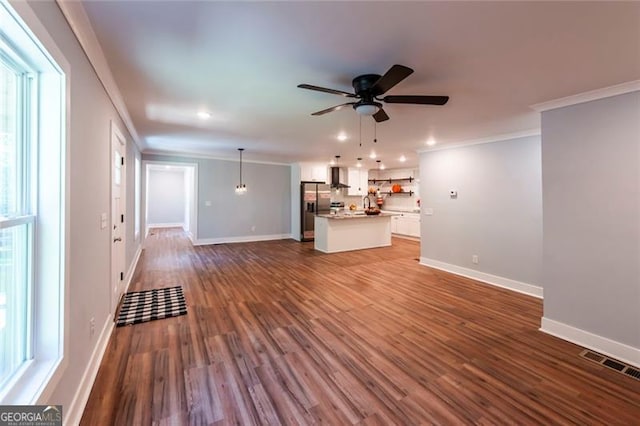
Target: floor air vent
611,363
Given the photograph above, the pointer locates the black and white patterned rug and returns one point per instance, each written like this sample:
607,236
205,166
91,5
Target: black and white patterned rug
149,305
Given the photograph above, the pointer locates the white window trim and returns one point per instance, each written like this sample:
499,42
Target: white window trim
40,376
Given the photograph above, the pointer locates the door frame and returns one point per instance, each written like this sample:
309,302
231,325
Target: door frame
193,208
117,250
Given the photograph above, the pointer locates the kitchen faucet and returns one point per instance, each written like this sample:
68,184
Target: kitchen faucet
364,202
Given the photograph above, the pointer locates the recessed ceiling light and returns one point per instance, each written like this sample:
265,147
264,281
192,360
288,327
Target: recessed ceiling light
342,136
431,142
403,158
372,155
204,115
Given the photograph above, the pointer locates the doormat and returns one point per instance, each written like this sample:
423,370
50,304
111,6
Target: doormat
149,305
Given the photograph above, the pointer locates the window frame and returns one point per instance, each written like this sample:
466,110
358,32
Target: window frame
26,185
28,39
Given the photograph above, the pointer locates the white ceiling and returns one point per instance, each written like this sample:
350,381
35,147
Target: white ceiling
243,60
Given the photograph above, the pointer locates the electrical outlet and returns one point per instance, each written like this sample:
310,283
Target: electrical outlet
92,327
253,228
474,259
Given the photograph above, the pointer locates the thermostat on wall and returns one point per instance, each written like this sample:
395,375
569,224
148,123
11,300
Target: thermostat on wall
453,193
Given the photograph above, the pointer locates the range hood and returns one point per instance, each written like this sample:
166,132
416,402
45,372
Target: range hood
337,177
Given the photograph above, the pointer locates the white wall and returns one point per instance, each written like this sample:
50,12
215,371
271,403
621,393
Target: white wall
166,197
91,112
398,202
591,176
497,214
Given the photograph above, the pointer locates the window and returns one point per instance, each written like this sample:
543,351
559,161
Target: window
16,212
33,239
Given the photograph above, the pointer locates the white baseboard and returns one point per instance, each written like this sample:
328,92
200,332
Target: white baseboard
520,287
165,225
76,409
406,237
241,239
617,350
132,268
74,413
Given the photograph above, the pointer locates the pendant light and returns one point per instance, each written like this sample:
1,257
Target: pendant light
241,188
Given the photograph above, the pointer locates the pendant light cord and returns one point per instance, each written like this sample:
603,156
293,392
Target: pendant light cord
375,132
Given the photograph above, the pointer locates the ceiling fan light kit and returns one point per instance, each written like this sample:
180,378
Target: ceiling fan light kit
367,108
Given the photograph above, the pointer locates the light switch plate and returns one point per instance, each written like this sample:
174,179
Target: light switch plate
207,203
103,220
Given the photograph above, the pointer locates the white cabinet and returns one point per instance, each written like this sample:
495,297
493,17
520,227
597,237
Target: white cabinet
394,224
314,172
357,179
406,224
414,227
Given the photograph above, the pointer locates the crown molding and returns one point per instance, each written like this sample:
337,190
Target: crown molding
188,156
593,95
78,20
489,139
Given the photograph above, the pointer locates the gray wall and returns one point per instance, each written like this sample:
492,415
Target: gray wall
498,212
166,197
91,112
591,181
264,210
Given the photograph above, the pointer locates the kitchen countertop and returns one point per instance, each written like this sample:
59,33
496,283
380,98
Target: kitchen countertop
355,216
400,211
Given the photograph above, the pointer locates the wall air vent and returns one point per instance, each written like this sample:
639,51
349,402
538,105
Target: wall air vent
611,363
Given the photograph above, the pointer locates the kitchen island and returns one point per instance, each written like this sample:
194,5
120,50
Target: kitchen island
336,233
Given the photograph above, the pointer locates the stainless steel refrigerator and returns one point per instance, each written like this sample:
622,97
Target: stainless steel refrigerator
315,199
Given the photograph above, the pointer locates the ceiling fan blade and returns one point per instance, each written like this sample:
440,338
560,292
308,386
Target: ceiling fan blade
380,116
333,108
325,90
421,100
395,75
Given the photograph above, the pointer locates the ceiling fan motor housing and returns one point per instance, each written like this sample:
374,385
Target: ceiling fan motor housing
362,85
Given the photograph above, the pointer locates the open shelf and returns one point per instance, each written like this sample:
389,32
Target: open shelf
389,180
409,193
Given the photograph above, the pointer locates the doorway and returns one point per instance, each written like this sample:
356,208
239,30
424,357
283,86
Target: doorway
118,201
170,196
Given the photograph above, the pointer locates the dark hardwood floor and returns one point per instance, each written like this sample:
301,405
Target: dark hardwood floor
277,333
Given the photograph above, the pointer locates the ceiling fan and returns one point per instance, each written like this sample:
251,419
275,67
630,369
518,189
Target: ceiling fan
368,89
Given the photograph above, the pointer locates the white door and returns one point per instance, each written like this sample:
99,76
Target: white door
118,197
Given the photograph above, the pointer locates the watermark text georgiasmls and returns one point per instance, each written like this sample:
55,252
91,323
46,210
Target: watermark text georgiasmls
30,415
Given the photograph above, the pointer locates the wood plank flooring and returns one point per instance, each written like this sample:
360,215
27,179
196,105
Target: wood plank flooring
277,333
